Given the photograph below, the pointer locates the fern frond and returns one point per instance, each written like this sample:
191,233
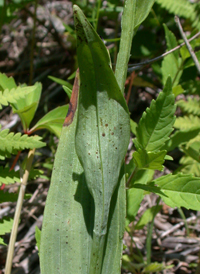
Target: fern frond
10,143
189,166
8,177
192,106
7,82
11,96
187,122
6,225
179,7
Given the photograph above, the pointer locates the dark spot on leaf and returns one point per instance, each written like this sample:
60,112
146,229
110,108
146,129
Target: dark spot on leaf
57,229
106,125
103,134
112,133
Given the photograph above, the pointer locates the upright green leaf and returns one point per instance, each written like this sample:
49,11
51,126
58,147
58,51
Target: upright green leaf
157,122
134,13
69,216
103,129
172,62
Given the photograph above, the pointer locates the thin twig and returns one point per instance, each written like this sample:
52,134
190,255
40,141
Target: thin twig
139,65
177,226
13,235
187,44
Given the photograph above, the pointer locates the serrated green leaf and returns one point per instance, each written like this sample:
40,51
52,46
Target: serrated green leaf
27,106
149,160
6,225
8,177
180,137
7,82
156,123
180,190
53,120
12,143
103,130
147,216
171,63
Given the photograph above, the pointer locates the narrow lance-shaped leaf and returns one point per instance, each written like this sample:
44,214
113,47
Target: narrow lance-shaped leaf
134,13
103,129
172,62
68,217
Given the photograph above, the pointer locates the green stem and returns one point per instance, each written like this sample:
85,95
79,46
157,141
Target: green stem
97,13
184,220
131,176
125,43
33,44
13,236
150,231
